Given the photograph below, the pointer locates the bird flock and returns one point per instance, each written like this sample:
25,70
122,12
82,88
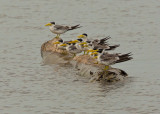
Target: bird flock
97,49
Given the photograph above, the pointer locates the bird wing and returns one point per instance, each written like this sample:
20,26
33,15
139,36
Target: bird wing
60,27
109,57
73,47
105,46
104,40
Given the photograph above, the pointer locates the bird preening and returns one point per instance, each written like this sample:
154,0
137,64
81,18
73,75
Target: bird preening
98,49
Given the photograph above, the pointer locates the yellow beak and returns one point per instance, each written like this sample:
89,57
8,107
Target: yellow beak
74,41
81,36
91,50
94,53
95,57
63,45
56,43
82,43
85,46
49,24
95,50
70,42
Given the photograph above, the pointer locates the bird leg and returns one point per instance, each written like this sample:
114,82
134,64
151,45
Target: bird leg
106,68
87,52
96,62
95,58
57,36
74,55
84,52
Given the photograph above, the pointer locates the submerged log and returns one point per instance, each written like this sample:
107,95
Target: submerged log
84,63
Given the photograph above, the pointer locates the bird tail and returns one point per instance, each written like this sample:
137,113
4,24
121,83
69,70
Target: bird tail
103,40
74,27
124,57
112,47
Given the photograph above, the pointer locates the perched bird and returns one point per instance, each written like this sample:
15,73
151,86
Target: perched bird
82,45
58,43
103,44
60,29
61,44
71,48
97,43
110,59
78,46
101,41
83,36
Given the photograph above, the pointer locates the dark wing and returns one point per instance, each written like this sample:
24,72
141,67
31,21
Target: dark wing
73,47
60,27
103,40
101,47
108,57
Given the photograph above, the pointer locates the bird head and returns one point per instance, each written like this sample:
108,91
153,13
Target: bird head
50,24
100,50
84,35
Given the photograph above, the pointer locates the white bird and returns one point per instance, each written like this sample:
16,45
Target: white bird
83,36
60,29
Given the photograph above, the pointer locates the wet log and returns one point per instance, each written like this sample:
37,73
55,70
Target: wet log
83,63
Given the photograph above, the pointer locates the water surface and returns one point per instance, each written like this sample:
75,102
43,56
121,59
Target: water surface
29,87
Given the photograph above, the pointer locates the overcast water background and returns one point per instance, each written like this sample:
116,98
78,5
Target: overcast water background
29,87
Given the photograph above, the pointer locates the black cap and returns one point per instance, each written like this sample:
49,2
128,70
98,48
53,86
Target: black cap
80,39
94,48
100,50
52,23
60,40
85,34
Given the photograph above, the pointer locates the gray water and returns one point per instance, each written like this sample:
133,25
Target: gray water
29,87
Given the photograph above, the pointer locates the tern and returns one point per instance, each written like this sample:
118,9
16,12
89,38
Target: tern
60,29
110,59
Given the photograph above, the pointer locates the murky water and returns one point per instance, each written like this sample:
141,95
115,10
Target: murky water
28,87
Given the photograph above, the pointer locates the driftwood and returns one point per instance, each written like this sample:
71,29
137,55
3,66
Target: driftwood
84,63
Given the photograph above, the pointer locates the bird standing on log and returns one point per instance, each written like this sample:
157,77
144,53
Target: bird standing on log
60,29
